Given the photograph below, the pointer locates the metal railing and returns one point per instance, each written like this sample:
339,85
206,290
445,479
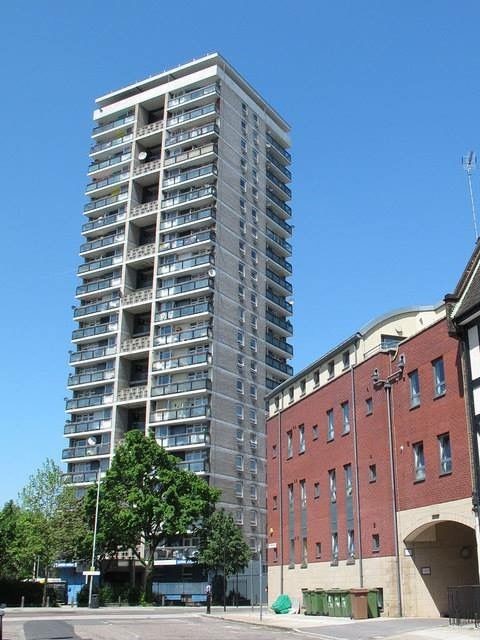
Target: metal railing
194,194
192,216
193,95
189,155
127,119
464,604
85,427
188,310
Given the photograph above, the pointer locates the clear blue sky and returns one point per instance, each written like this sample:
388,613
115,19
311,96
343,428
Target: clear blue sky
383,99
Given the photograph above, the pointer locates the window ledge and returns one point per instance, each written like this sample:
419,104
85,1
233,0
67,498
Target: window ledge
415,406
331,439
439,395
345,433
291,566
444,473
419,481
350,561
334,563
303,565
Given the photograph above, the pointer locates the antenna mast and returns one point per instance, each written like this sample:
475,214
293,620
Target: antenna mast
469,163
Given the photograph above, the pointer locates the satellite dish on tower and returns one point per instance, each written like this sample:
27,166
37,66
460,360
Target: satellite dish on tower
142,156
212,273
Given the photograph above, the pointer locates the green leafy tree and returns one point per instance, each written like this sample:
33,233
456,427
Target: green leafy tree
223,547
10,567
145,499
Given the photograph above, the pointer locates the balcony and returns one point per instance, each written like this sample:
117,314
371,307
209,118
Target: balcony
95,265
283,345
119,122
188,386
107,305
280,366
147,167
151,127
189,310
107,241
281,282
86,427
190,174
96,330
129,394
184,440
188,218
137,297
90,354
89,378
199,152
195,466
194,114
278,260
286,325
104,221
203,236
143,251
279,300
192,134
283,170
83,452
89,401
281,223
111,162
181,363
280,185
286,246
98,285
199,333
279,203
141,343
186,287
190,196
191,96
111,144
105,202
183,265
145,208
81,477
278,148
107,182
186,413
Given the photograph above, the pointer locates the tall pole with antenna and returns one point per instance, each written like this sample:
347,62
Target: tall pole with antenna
469,163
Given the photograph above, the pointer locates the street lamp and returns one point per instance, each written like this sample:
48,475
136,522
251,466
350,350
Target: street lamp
260,577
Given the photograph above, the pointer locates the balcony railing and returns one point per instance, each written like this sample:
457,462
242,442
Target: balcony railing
281,223
279,166
96,330
111,162
278,147
279,184
89,401
185,413
189,263
85,427
195,466
189,310
185,361
89,354
111,143
280,366
279,322
181,118
85,310
143,251
99,264
135,344
191,134
280,344
104,202
279,300
278,260
190,174
183,440
83,452
187,241
141,169
193,216
136,297
98,184
192,95
80,477
278,202
132,393
190,155
182,336
146,207
88,378
102,128
280,281
189,196
104,221
182,387
279,240
151,127
102,242
193,285
98,285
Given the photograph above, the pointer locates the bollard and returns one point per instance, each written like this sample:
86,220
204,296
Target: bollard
48,603
209,603
2,613
22,603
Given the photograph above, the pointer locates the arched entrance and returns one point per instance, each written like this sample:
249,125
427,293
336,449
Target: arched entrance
437,555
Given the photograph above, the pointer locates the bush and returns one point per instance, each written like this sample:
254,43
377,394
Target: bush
11,592
82,596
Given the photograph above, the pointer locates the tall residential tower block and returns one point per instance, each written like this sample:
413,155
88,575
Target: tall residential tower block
183,305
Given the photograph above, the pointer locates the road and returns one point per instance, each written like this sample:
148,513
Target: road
239,624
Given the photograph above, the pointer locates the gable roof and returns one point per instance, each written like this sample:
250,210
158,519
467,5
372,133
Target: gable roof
465,300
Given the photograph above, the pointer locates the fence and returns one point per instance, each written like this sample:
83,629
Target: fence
464,605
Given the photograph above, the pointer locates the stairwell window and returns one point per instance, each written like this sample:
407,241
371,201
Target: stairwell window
418,461
332,483
289,444
414,389
445,454
346,417
330,425
439,377
301,439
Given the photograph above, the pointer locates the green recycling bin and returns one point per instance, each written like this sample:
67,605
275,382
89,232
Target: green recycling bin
345,604
314,596
372,603
334,605
322,606
307,601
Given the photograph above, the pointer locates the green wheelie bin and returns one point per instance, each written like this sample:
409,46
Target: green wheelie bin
322,605
372,603
307,601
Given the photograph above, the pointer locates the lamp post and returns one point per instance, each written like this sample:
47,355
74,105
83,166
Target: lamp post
91,442
260,578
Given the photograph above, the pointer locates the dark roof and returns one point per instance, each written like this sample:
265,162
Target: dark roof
466,297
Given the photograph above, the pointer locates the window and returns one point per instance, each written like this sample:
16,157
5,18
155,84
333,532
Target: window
255,176
418,461
241,293
253,367
253,416
239,516
239,489
254,193
334,546
316,490
348,479
346,417
244,109
253,492
439,377
375,542
255,119
239,411
254,299
244,125
445,453
254,323
243,145
330,425
303,494
332,483
254,256
253,465
253,518
346,359
253,344
290,497
351,543
255,156
254,275
240,387
414,389
289,444
303,386
239,436
301,439
372,473
318,549
253,391
241,270
316,378
241,315
243,227
241,247
331,369
243,164
290,394
369,406
241,338
292,554
315,432
274,451
240,361
254,216
239,463
277,403
243,185
274,503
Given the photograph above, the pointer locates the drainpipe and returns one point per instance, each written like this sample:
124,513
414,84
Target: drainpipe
280,493
357,481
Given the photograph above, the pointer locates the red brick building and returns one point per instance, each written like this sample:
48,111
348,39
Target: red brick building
369,468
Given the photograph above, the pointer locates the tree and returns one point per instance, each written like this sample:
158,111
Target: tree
222,546
10,566
145,499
